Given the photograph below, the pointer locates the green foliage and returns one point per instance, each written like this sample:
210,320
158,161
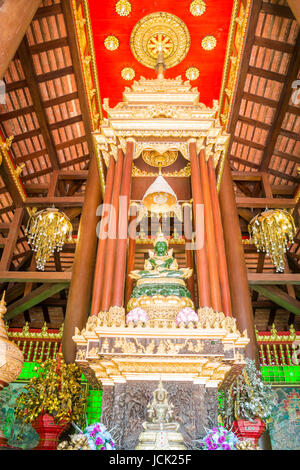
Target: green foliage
248,398
56,391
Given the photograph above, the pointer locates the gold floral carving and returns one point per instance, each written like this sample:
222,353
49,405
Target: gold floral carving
183,173
163,32
158,159
14,173
235,45
88,59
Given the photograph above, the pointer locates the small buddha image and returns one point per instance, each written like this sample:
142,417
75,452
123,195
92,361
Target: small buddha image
160,429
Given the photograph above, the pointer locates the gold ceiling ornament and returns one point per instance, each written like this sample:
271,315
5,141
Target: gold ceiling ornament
111,43
197,7
128,73
123,7
159,160
47,231
192,73
271,232
208,43
184,172
160,32
11,358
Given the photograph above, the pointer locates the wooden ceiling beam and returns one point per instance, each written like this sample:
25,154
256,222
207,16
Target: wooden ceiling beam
29,71
53,75
244,162
268,74
36,276
277,10
273,279
250,176
57,201
27,135
287,156
282,106
254,123
273,44
259,99
35,297
262,202
15,85
65,122
48,45
248,143
290,134
283,176
279,297
16,113
50,10
61,99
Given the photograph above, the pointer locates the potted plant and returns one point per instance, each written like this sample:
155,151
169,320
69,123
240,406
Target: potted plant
248,404
52,400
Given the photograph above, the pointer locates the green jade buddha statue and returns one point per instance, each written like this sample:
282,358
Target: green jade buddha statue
161,277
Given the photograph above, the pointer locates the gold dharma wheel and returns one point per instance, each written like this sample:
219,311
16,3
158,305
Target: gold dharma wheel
160,32
158,159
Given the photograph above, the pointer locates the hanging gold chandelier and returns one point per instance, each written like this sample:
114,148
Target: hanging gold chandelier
47,231
271,232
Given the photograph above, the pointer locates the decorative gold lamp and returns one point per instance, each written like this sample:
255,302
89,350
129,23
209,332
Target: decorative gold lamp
160,199
11,358
271,232
47,231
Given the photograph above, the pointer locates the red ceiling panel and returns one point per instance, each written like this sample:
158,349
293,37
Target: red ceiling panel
215,21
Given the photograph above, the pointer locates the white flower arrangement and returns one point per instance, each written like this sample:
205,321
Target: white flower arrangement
137,315
186,315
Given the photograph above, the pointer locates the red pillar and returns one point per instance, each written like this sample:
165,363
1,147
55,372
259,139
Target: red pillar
120,267
83,266
201,255
210,239
110,254
99,269
223,272
237,271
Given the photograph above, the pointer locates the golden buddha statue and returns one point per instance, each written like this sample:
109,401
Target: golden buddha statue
160,431
161,283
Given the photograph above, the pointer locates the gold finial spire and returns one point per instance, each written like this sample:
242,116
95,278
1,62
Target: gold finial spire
160,66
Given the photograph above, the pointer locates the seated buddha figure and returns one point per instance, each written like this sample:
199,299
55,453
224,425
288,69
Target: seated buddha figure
161,263
161,281
161,431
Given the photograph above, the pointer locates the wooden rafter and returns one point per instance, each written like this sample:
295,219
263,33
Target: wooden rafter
282,106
